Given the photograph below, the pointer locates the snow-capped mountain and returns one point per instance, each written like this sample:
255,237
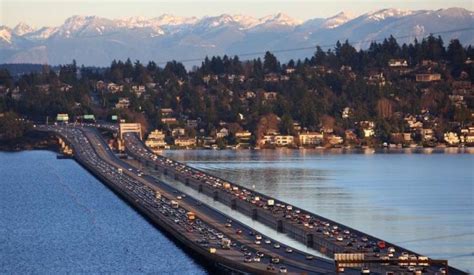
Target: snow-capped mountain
93,40
337,20
22,29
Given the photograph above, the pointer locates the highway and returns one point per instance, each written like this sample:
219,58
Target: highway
249,252
328,236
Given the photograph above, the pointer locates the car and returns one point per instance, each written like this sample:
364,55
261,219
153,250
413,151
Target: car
228,225
270,267
283,269
179,197
258,237
365,270
238,231
275,260
256,259
267,241
442,270
339,238
289,250
257,242
309,257
248,259
260,254
276,245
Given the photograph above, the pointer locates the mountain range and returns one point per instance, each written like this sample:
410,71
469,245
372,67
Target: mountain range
92,40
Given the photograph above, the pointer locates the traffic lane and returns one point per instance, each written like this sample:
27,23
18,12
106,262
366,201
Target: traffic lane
210,212
102,153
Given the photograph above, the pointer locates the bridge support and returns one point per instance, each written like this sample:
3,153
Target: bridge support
216,195
254,214
309,240
200,188
176,176
233,204
280,226
186,181
165,172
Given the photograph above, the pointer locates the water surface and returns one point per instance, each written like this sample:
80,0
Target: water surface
56,218
421,201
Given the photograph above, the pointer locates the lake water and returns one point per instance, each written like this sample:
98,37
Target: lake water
421,201
56,218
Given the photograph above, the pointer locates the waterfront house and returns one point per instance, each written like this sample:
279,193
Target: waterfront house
427,77
123,103
310,138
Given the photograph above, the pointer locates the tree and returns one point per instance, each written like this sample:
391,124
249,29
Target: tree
270,63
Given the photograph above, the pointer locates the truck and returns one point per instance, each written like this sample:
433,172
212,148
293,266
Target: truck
174,204
226,185
191,216
270,202
225,243
157,195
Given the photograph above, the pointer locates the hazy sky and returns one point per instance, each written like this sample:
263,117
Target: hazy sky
52,13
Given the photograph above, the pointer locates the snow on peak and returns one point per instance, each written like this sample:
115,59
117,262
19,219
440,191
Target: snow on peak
280,19
246,21
6,34
337,20
22,29
171,20
387,13
41,34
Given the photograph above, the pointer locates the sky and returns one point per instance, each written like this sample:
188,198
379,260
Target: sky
38,13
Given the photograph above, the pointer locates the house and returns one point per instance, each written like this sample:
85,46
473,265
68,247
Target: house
367,128
185,142
156,139
113,88
43,88
166,112
271,77
169,120
222,133
284,140
65,87
62,117
269,96
451,138
178,132
335,139
100,85
346,113
290,70
427,77
191,123
393,63
376,79
138,89
310,138
427,134
249,94
123,103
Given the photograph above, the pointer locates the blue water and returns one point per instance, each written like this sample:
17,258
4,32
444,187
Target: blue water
56,218
424,202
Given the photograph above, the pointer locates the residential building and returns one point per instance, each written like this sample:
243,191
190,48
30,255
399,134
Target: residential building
310,138
451,138
222,133
427,77
123,103
284,140
397,63
185,142
156,139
